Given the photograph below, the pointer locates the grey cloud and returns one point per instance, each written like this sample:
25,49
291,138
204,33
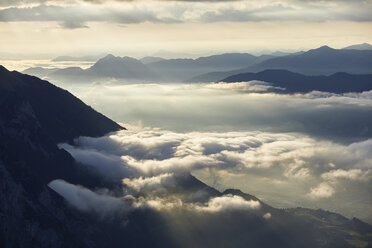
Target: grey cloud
8,3
229,109
102,205
73,25
109,166
75,15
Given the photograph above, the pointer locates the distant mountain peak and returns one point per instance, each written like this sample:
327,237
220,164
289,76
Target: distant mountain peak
109,56
362,46
323,48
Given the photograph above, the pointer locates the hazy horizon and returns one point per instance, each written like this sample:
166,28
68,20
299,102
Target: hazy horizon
147,28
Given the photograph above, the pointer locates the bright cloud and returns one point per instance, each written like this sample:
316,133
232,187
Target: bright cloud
229,202
323,190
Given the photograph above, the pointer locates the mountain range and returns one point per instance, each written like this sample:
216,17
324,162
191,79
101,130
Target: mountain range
180,69
323,60
107,67
290,82
320,61
35,116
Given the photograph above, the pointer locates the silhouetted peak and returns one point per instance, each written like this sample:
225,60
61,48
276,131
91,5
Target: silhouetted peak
112,58
322,49
325,48
109,56
3,69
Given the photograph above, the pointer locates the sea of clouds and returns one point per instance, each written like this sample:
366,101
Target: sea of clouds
312,150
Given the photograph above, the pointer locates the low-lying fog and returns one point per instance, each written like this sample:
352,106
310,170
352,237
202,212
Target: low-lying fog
312,150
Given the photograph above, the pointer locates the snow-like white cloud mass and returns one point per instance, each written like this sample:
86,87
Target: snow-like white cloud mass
85,200
147,157
323,190
149,183
228,202
244,87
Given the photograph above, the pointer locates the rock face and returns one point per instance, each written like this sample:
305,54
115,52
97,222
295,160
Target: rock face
35,116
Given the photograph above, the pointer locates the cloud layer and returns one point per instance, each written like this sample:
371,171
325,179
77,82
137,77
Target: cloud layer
233,107
74,14
301,168
284,169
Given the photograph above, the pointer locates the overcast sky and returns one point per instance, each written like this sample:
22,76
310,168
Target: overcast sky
137,28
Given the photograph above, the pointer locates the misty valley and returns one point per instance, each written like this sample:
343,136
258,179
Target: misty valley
224,150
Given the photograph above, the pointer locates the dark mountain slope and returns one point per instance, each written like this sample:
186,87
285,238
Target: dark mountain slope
294,82
61,115
34,116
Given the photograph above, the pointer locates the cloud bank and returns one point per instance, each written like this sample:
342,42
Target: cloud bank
74,14
304,168
284,169
222,107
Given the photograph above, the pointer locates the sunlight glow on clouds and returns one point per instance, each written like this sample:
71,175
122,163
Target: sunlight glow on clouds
150,160
290,157
323,190
282,168
195,26
228,202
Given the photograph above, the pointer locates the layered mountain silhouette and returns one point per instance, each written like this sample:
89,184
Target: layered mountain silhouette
107,67
181,69
40,71
320,61
356,59
35,116
291,82
121,67
150,68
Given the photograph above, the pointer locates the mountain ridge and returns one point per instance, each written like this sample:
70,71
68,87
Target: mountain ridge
340,82
320,61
